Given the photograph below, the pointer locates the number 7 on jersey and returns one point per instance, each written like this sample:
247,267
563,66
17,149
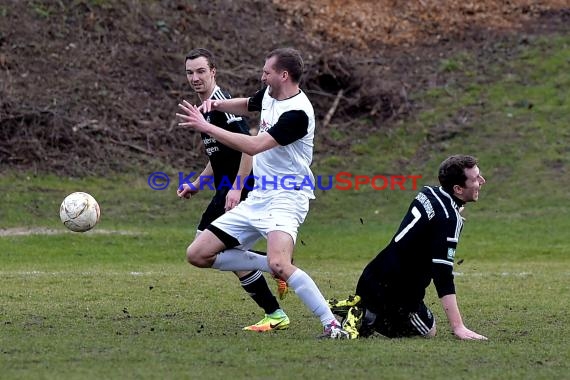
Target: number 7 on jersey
417,215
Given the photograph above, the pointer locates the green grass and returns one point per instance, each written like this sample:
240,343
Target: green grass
120,301
77,314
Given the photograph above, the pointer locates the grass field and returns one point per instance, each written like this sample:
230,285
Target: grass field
121,303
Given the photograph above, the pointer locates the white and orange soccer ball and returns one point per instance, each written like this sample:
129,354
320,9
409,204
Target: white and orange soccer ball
79,212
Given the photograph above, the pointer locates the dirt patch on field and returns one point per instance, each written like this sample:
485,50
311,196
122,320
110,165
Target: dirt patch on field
92,86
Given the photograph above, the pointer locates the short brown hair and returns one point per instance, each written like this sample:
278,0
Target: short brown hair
452,171
201,52
290,60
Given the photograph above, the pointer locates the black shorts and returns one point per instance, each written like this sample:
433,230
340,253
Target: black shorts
396,322
215,209
217,206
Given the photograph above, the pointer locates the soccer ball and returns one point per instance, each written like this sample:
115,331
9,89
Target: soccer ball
79,212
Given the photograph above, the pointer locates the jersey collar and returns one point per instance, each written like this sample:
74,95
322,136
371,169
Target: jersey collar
216,88
457,202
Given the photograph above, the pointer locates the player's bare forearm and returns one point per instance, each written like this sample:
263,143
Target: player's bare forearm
244,170
237,106
208,172
449,303
237,141
234,195
192,117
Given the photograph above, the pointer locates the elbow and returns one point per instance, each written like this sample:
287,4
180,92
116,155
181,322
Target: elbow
250,151
253,149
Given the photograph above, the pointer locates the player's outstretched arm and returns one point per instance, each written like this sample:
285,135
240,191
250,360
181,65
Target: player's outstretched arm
237,106
192,117
449,303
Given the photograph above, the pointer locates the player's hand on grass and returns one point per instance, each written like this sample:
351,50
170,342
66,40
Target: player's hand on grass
232,199
185,191
464,333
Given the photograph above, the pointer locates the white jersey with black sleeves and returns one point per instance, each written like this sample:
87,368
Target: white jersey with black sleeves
291,122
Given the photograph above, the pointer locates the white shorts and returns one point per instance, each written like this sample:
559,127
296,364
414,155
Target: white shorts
255,217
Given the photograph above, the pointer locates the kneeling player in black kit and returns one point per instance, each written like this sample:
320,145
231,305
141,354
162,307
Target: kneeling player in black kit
390,292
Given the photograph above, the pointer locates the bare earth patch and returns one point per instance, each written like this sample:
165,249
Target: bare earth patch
111,72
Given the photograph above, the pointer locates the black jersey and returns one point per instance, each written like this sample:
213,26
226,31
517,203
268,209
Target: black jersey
225,161
422,250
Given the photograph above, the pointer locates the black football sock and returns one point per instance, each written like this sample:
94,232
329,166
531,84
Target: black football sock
255,285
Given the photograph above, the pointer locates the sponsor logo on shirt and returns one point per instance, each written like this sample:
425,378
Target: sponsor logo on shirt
208,142
450,253
212,150
421,197
264,126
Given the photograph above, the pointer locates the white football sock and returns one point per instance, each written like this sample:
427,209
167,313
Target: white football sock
238,260
309,293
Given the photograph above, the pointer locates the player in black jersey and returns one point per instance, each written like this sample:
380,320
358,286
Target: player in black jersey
390,291
226,171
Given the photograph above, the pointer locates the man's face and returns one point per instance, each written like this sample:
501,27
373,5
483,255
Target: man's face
200,76
470,191
270,77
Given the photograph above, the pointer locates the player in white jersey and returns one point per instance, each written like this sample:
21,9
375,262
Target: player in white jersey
228,168
278,204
